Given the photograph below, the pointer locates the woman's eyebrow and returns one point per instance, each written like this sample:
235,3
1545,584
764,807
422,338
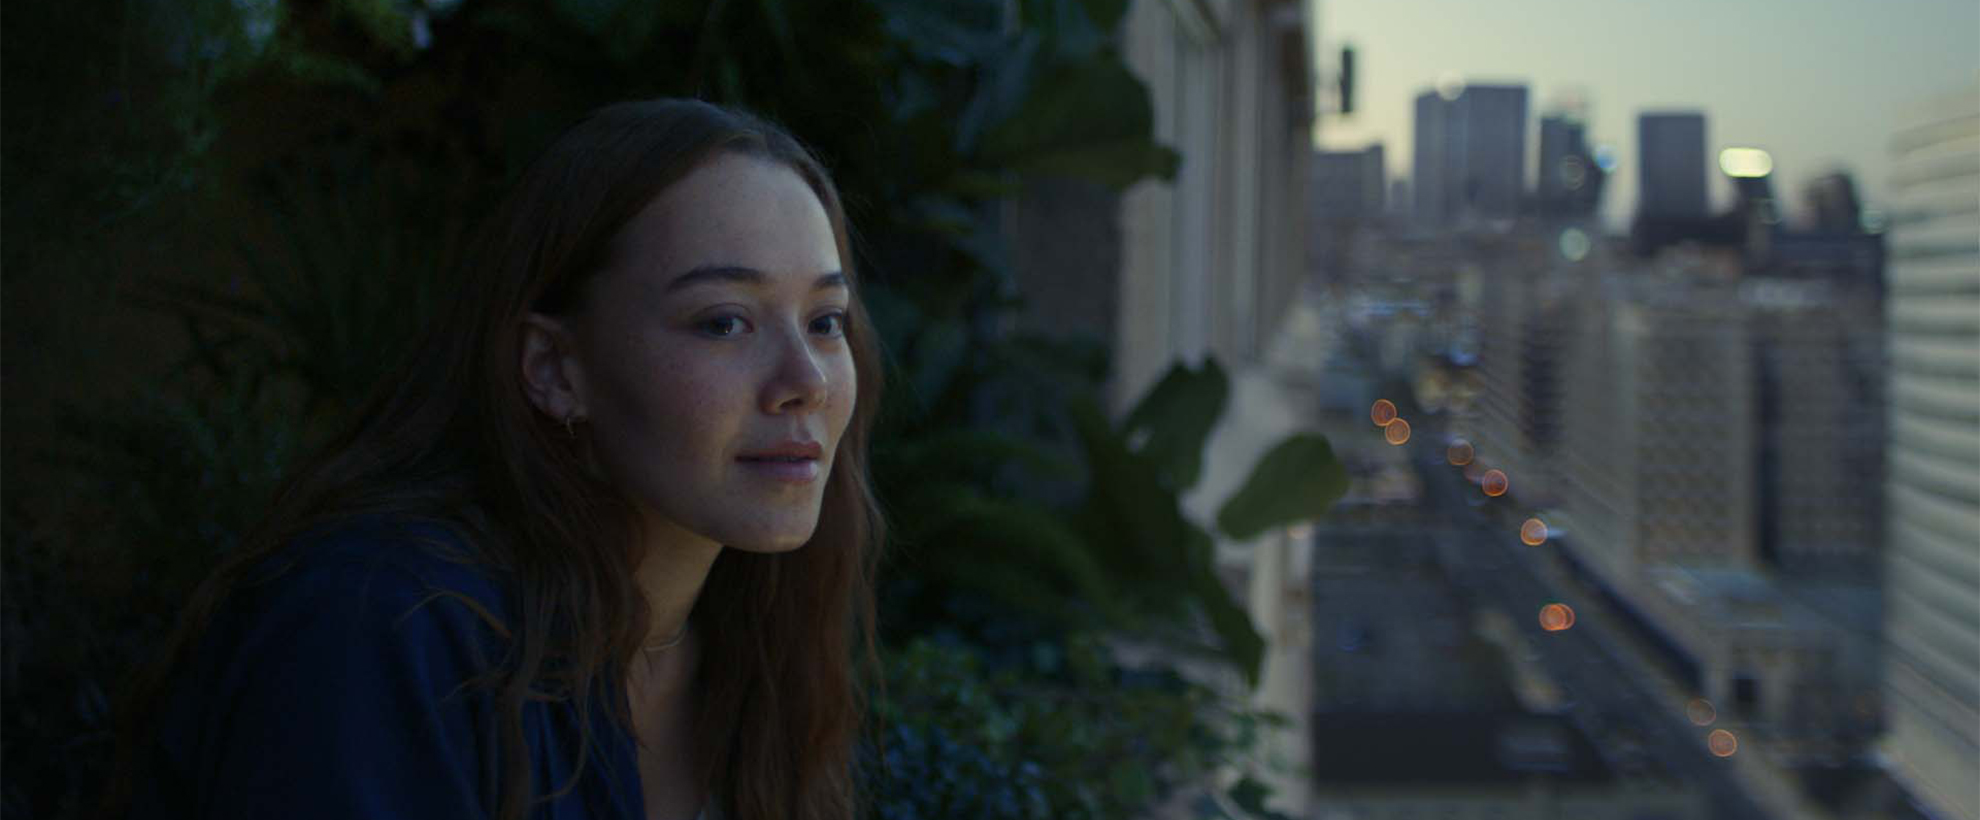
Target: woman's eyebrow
737,274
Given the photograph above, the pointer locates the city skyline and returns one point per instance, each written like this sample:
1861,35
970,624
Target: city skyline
1796,57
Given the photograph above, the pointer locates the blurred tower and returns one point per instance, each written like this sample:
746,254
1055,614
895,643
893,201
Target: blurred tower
1570,182
1347,185
1657,451
1430,162
1470,154
1932,485
1527,318
1671,170
1346,190
1832,204
1819,424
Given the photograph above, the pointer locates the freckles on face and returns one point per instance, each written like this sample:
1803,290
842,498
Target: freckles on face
717,373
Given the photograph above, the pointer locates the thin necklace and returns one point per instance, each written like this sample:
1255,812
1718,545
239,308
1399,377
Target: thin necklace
671,642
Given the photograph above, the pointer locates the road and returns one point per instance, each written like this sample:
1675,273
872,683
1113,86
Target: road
1635,713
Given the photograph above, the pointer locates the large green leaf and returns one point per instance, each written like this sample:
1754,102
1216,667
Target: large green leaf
1128,515
1116,164
955,33
1016,551
1090,119
1296,481
1175,418
1066,24
1237,637
1137,525
1105,14
1006,88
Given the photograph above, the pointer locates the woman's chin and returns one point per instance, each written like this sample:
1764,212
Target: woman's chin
769,544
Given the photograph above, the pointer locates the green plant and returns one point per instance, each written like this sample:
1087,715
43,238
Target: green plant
1122,551
1058,731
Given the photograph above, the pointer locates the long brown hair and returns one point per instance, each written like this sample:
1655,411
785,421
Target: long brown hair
451,437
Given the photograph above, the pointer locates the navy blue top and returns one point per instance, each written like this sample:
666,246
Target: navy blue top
334,691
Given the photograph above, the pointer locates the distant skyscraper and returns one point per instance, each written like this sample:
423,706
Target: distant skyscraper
1832,204
1570,181
1348,184
1932,484
1431,159
1470,154
1671,172
1345,190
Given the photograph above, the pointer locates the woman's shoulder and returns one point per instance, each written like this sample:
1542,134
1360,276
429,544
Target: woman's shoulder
340,673
375,581
386,556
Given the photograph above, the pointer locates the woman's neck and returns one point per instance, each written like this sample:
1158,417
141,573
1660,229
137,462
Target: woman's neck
671,575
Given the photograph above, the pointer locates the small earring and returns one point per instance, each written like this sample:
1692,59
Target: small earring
567,426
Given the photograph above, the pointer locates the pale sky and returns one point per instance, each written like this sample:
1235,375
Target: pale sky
1817,83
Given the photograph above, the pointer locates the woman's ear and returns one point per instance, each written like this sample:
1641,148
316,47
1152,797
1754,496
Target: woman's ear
551,374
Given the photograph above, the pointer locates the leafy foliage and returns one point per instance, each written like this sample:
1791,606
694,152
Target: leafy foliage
1061,732
1296,477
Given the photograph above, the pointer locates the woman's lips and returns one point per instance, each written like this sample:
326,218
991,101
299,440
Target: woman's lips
791,470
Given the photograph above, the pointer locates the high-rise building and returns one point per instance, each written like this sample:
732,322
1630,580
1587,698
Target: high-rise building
1832,204
1819,424
1526,322
1657,449
1432,148
1671,169
1932,484
1349,185
1570,182
1470,154
1346,192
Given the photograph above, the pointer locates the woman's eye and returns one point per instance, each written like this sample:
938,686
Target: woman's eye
724,326
830,324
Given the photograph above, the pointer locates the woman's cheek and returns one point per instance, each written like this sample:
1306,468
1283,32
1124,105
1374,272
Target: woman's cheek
846,392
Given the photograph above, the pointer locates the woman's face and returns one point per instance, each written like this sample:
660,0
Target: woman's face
709,362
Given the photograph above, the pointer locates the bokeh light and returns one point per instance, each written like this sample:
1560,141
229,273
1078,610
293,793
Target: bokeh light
1450,85
1572,172
1473,472
1722,743
1746,163
1701,712
1459,453
1495,483
1556,617
1383,412
1575,244
1397,432
1533,532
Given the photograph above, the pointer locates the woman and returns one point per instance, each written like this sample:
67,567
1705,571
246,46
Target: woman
602,548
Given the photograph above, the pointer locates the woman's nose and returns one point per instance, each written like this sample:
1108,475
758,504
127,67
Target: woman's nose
799,382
